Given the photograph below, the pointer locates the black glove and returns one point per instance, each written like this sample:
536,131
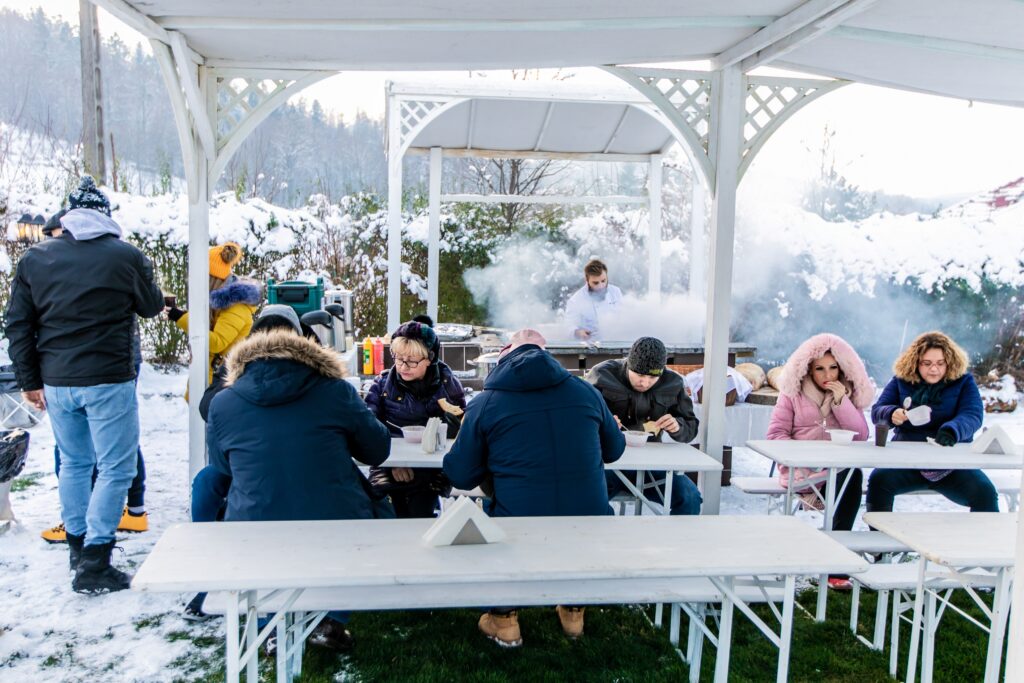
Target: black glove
174,313
946,437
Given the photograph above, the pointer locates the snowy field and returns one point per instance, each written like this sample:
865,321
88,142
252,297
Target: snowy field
49,633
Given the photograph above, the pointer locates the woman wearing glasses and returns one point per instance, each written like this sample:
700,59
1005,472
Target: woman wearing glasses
932,372
408,394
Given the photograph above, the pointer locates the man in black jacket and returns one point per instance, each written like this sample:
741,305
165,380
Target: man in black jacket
640,390
70,322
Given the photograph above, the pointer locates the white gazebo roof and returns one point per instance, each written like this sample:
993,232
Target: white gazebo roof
560,119
971,50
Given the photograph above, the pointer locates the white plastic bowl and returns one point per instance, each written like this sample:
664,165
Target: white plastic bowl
841,436
634,438
413,434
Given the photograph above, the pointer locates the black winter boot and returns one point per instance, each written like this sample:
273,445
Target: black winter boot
95,575
75,546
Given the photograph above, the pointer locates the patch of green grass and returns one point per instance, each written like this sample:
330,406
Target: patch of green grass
30,479
619,645
150,621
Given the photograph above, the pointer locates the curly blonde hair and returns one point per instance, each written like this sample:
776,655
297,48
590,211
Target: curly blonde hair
905,366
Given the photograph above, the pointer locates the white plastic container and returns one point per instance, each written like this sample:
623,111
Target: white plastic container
841,436
413,434
635,438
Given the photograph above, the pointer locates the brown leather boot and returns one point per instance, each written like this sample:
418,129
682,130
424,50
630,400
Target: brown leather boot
501,628
572,620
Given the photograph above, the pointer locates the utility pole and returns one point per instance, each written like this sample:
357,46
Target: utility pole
92,93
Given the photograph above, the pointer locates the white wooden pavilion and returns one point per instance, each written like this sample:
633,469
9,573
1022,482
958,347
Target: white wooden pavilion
218,58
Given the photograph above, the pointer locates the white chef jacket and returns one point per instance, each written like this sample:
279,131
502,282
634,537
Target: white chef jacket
582,311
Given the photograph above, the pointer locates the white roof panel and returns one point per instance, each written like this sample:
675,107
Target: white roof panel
962,49
561,118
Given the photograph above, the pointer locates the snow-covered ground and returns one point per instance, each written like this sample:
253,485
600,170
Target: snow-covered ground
49,633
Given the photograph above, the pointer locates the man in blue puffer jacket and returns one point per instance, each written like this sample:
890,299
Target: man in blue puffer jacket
542,436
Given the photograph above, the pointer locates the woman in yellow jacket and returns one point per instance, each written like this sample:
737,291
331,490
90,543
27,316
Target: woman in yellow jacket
233,302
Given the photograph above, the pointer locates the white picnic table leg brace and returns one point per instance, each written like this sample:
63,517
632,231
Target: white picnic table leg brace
231,638
830,502
915,624
782,639
638,492
997,634
725,585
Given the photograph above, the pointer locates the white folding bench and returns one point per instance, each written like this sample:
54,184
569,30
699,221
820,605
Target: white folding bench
694,596
900,579
1006,482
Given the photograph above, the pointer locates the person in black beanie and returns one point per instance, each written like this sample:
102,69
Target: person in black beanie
644,395
408,394
134,519
70,321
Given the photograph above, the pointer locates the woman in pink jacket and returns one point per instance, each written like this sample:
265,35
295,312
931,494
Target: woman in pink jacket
823,386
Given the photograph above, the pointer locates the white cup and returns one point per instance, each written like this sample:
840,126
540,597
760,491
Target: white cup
442,435
920,415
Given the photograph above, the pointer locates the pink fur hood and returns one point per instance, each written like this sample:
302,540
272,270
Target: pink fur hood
863,389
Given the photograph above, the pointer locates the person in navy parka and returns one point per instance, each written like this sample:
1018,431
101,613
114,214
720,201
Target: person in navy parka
541,437
408,394
287,429
932,372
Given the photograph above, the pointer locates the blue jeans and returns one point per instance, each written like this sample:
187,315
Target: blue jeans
970,488
137,489
209,495
686,498
95,427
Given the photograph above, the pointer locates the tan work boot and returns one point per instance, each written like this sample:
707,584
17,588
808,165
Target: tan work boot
572,620
57,534
501,628
133,523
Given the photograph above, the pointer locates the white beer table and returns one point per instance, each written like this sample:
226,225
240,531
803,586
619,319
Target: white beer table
267,566
651,457
831,457
950,543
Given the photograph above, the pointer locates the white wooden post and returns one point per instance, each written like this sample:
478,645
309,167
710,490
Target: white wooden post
198,283
394,217
654,228
434,239
726,138
698,246
1015,651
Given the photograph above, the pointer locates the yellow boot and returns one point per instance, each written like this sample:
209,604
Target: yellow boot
134,523
56,534
572,620
501,628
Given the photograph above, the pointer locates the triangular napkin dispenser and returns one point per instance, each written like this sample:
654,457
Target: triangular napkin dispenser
995,441
463,523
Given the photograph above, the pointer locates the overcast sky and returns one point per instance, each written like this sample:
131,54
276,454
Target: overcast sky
897,142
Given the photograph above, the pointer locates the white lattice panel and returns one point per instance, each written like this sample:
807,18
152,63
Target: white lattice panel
769,102
691,98
238,97
415,112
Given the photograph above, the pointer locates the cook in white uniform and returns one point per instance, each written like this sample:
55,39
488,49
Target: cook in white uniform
591,302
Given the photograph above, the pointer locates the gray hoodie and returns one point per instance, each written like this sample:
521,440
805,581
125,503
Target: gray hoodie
87,224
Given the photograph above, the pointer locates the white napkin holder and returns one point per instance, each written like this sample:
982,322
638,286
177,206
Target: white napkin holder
996,441
463,523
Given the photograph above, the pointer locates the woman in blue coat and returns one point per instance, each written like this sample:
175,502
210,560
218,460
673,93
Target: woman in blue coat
406,395
932,372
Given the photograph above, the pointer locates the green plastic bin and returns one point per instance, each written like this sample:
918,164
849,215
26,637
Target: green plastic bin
301,296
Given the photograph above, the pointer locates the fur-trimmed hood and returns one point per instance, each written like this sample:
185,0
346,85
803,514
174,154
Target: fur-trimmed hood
796,368
236,291
260,371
